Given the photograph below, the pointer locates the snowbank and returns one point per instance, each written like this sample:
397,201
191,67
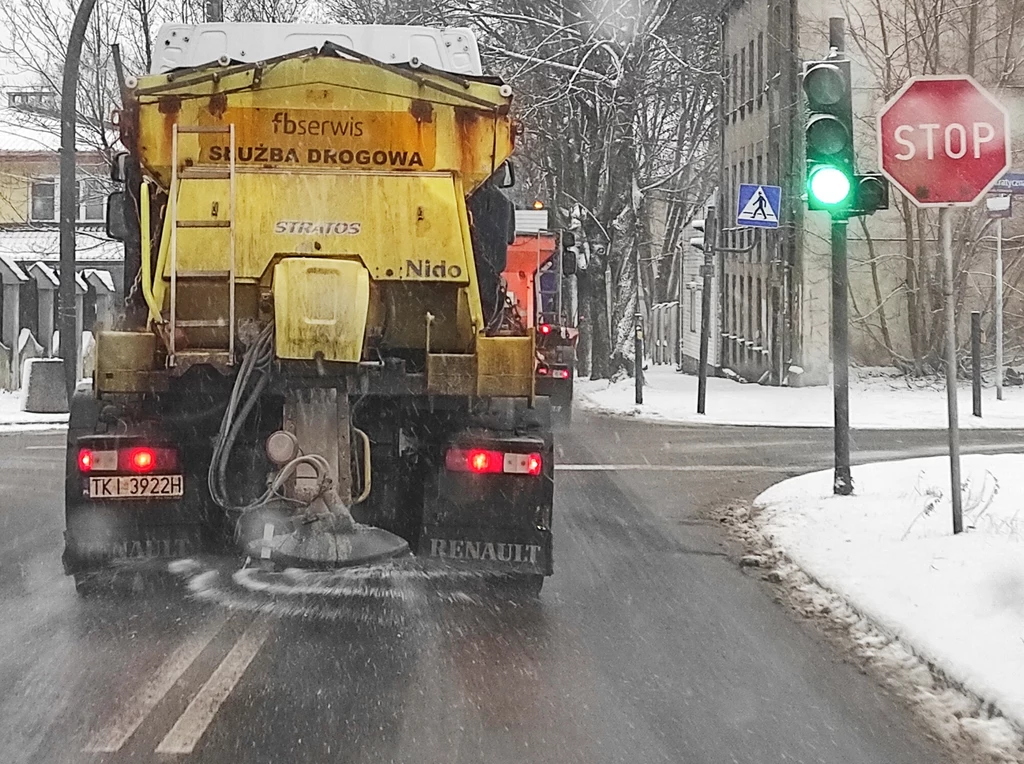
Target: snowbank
958,602
13,419
876,402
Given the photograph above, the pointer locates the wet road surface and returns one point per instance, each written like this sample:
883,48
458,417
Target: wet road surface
648,644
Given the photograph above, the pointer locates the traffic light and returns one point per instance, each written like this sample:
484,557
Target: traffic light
570,254
698,226
831,177
870,194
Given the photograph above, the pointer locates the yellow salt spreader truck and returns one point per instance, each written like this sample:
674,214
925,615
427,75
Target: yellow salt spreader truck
312,369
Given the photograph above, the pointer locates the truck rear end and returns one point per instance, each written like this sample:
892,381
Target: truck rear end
538,261
310,371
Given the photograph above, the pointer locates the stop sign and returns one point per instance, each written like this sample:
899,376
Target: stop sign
944,140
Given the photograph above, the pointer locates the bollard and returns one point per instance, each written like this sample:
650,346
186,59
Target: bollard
976,361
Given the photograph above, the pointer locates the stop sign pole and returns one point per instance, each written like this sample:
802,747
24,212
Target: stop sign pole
944,141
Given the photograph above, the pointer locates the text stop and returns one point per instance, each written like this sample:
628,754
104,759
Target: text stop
953,140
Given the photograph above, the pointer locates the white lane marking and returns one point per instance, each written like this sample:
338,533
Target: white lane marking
673,468
192,724
61,447
119,729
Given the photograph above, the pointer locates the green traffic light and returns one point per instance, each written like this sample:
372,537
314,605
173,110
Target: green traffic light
829,185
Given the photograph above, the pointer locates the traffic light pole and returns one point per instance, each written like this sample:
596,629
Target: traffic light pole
842,484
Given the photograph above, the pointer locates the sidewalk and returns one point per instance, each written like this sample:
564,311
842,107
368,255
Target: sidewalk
13,419
888,551
877,401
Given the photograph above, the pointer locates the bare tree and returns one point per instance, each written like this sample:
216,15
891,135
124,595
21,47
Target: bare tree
617,101
898,39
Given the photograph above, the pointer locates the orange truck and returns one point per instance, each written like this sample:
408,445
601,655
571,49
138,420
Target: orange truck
538,261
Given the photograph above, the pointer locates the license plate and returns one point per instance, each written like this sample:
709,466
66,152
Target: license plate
137,487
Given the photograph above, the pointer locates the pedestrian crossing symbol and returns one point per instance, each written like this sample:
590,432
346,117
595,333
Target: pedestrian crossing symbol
758,206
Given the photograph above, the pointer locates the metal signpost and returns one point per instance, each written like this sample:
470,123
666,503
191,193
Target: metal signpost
1000,207
758,206
944,141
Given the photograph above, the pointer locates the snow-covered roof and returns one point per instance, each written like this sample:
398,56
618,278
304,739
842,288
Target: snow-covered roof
43,245
453,49
10,271
44,275
99,279
26,132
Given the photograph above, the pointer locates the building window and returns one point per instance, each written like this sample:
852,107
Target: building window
727,84
43,200
750,76
735,89
760,69
743,80
751,307
90,200
760,313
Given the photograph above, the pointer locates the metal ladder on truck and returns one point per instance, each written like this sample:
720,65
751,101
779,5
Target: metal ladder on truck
216,356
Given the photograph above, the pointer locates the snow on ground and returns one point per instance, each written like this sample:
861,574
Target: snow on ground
12,418
957,602
877,401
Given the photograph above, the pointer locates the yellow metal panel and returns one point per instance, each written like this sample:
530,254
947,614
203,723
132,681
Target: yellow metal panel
451,374
459,129
124,363
505,366
401,226
320,306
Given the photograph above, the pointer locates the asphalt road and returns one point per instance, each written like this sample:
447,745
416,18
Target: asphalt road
648,644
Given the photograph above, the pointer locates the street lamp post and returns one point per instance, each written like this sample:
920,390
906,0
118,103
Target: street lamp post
68,196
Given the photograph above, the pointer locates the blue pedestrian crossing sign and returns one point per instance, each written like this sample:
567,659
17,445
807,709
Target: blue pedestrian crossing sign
758,206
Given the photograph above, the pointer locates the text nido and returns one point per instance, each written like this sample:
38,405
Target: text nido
457,549
423,269
325,228
954,140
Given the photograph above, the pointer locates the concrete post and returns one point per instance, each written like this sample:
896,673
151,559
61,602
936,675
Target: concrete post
46,286
11,277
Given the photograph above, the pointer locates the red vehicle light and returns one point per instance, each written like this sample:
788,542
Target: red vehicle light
542,371
486,461
142,459
84,460
146,459
560,373
544,328
478,460
534,464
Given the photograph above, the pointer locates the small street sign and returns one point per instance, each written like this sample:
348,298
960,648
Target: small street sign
758,206
944,140
999,206
1010,183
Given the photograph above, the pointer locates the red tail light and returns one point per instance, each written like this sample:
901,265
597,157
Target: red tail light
84,460
142,460
560,373
542,371
533,464
146,459
478,460
486,461
544,328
